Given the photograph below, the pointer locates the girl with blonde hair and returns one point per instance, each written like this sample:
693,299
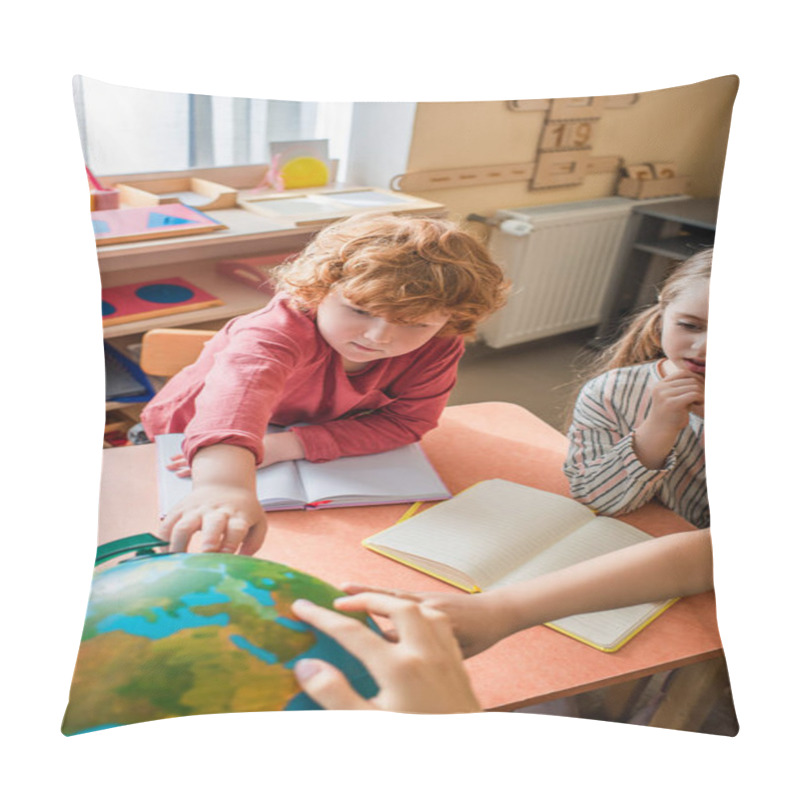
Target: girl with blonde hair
636,435
637,429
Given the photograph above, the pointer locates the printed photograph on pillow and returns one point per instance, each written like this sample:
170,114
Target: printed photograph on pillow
420,300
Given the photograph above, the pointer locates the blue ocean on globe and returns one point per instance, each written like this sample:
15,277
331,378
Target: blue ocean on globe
178,634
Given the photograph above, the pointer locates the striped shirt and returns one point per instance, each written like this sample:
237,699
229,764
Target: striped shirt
602,467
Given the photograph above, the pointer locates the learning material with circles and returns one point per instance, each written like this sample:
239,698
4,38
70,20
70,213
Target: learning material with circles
498,532
401,475
149,299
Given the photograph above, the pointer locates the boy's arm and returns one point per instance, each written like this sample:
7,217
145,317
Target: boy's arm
417,401
670,566
223,508
283,446
241,389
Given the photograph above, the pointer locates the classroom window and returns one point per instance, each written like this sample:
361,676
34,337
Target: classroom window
126,130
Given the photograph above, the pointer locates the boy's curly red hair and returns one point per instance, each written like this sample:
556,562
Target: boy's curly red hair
399,268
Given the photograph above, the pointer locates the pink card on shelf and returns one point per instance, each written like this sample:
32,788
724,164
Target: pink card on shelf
119,225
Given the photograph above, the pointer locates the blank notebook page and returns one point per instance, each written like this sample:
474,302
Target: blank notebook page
602,535
478,531
402,472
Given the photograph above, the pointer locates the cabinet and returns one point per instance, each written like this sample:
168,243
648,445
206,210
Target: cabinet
195,258
659,234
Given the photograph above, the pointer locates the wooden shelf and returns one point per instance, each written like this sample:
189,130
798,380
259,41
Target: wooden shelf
194,258
678,247
111,405
247,234
658,233
236,297
696,212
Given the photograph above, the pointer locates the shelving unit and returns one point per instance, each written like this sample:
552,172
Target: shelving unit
237,298
194,258
659,234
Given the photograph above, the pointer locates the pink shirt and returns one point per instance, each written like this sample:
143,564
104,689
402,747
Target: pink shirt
273,366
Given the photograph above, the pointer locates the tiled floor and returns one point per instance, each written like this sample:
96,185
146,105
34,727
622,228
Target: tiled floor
543,377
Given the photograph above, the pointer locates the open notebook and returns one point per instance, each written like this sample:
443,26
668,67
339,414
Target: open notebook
497,532
402,475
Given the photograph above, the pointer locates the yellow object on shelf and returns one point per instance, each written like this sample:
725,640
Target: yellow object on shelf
303,172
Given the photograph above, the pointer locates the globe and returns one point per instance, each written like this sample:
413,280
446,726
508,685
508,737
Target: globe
177,634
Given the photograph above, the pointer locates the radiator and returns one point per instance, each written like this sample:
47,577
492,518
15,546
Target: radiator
560,271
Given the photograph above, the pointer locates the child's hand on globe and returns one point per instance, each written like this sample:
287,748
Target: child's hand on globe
421,672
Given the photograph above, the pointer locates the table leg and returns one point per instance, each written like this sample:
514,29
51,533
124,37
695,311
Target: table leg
691,695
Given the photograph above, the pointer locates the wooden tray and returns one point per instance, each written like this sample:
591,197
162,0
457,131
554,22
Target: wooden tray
309,207
194,192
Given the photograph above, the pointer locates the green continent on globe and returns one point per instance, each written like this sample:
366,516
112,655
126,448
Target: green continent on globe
179,634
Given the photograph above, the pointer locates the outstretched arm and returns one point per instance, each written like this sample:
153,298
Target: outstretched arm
421,672
284,446
670,566
411,407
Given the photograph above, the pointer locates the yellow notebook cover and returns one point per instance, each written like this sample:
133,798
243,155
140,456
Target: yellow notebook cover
475,513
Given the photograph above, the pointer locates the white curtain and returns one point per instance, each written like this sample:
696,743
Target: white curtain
128,130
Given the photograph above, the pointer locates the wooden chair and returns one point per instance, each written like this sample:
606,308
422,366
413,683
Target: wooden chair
166,351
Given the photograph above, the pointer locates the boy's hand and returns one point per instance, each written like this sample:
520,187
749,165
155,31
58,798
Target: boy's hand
226,519
478,620
222,507
421,672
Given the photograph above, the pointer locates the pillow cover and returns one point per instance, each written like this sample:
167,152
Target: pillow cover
184,211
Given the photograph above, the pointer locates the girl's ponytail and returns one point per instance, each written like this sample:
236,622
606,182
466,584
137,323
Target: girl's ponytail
641,341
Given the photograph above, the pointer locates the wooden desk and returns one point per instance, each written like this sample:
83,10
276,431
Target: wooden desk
472,443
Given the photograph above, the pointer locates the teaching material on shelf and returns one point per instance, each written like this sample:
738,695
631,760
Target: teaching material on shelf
201,194
401,475
426,180
645,181
304,171
302,208
100,197
254,272
138,223
148,299
300,164
125,381
497,533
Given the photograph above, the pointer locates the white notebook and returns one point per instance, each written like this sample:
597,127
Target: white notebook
402,475
498,532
